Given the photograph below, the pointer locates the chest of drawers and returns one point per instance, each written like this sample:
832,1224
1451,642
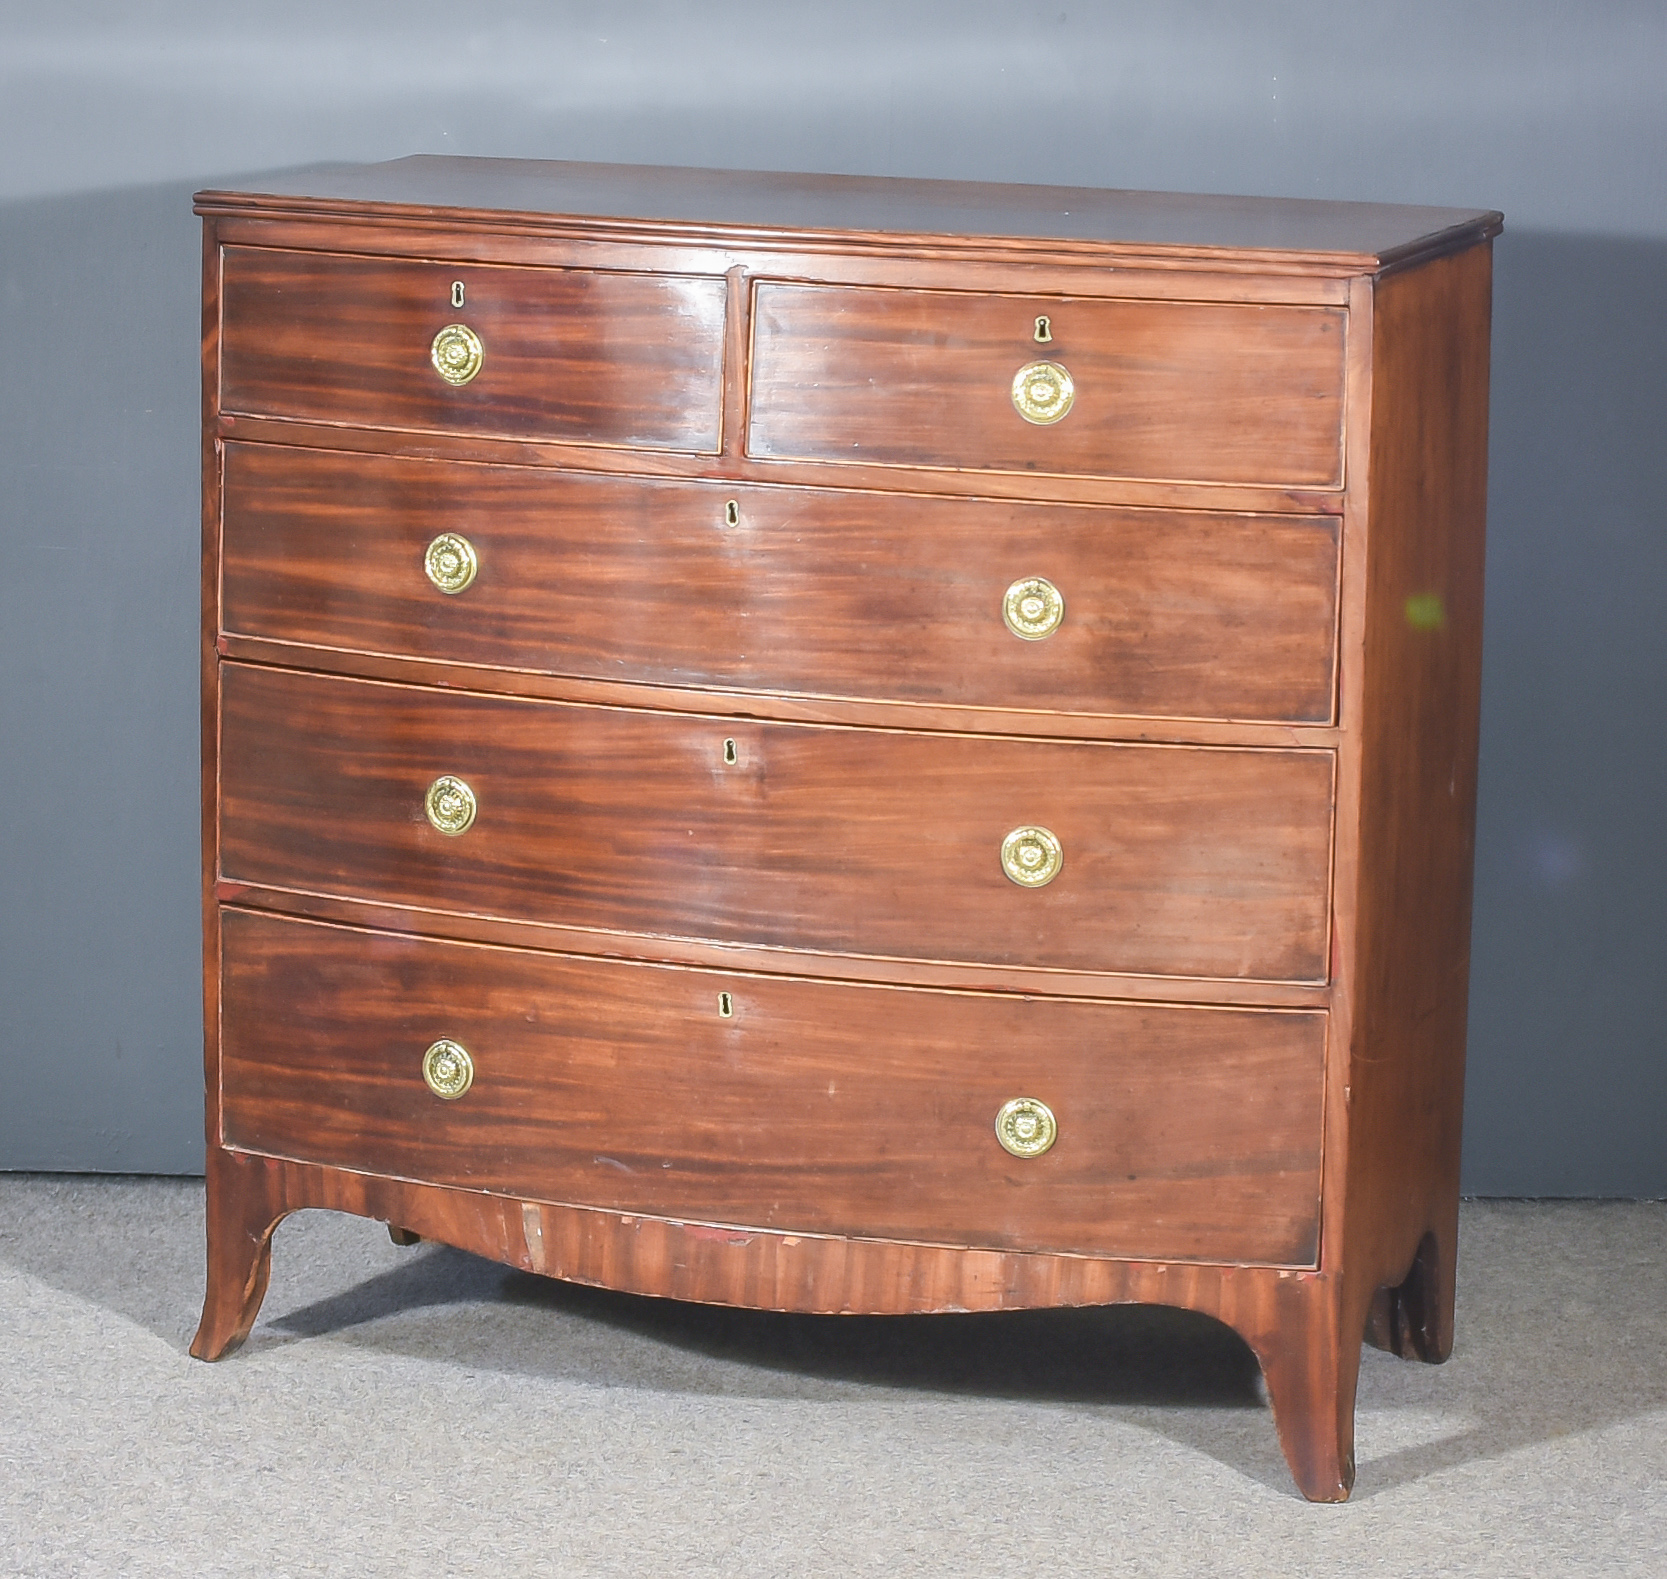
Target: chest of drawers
850,746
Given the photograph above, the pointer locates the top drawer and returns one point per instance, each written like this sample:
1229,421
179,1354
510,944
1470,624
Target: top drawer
1168,391
568,355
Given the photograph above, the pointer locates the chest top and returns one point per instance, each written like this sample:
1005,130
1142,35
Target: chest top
784,208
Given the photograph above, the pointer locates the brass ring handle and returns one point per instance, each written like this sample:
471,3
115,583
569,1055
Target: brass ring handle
450,805
1032,857
1042,392
1026,1127
448,1070
457,353
1032,608
451,562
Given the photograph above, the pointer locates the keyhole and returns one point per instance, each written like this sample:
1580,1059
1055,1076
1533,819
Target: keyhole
726,1006
730,754
457,293
1044,329
732,513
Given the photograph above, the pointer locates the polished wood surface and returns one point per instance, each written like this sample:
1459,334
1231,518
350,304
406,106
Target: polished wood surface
1280,1312
1184,614
1177,861
1188,391
893,481
1421,676
759,204
812,1106
1254,733
781,705
724,954
570,354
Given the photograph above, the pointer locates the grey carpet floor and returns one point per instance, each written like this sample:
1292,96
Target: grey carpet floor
418,1412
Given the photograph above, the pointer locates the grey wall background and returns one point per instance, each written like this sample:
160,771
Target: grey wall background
111,114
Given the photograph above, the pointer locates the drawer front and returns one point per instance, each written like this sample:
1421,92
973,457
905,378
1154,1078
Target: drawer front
812,592
566,354
1177,861
1175,391
823,1107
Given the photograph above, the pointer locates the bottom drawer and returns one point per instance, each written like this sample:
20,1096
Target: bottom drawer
823,1107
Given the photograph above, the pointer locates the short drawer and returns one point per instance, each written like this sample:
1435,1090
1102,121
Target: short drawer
1180,614
571,355
1183,1133
1174,391
1176,861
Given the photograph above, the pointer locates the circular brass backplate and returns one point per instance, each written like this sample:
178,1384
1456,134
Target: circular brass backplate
450,805
451,562
1031,856
457,353
449,1071
1042,392
1026,1127
1032,608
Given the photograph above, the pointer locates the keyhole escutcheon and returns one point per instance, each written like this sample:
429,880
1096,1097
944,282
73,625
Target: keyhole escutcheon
731,756
732,512
1044,329
457,293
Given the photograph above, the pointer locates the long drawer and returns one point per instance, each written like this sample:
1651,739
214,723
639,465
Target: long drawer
1176,861
1183,1133
1181,391
570,355
1181,614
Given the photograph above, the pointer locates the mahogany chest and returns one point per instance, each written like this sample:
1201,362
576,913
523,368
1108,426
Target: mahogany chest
848,745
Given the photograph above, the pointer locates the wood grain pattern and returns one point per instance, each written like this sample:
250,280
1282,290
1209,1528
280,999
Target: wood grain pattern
1187,391
1247,988
208,722
1183,614
813,1106
716,954
570,354
1178,861
748,704
1421,682
1283,1314
1026,487
1003,266
909,214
